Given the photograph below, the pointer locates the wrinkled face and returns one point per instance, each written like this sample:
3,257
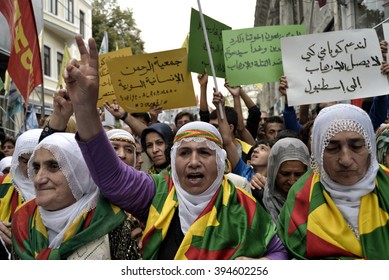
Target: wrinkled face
272,130
346,158
260,155
155,148
196,166
125,151
184,120
288,173
139,157
52,189
23,160
8,148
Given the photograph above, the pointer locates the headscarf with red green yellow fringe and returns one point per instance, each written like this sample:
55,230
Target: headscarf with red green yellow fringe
312,227
30,239
233,224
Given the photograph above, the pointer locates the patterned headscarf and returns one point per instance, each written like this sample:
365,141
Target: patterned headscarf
331,121
190,206
283,150
25,144
66,151
122,135
382,146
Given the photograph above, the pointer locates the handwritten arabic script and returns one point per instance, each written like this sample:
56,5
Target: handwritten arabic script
332,66
160,79
254,55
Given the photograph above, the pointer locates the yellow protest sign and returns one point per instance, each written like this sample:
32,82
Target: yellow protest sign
159,79
106,91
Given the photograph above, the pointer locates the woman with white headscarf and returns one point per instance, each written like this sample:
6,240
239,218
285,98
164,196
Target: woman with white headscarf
68,219
198,211
16,187
288,161
226,224
340,208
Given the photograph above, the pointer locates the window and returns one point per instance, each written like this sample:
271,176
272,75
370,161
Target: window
46,61
69,7
82,24
52,6
59,63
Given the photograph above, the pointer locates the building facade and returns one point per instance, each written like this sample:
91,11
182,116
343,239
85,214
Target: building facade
58,21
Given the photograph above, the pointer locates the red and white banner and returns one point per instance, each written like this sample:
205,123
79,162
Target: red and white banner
24,65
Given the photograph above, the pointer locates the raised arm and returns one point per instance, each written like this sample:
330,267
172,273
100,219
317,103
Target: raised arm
224,129
124,186
204,111
254,114
244,134
82,83
118,112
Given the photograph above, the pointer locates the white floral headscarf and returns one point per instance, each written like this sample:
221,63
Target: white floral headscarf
331,121
190,206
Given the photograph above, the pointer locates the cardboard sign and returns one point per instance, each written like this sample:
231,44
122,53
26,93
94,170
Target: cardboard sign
253,55
333,66
198,54
159,79
106,91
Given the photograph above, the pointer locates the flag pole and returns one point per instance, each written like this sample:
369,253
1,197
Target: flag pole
42,65
209,55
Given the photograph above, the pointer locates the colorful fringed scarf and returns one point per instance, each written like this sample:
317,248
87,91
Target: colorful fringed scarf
9,199
232,225
30,239
312,227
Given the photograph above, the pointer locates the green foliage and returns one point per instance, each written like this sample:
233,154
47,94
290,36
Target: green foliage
119,24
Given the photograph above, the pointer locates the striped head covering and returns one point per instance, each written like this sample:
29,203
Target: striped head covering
190,206
124,136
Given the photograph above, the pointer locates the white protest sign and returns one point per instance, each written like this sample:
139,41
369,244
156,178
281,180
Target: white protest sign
333,66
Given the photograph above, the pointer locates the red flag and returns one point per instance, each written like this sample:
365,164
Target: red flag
322,3
357,102
24,65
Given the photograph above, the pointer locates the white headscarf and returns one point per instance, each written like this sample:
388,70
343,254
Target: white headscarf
5,162
25,144
283,150
71,163
331,121
122,135
190,206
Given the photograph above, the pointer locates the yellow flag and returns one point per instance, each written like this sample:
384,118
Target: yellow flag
7,82
185,44
66,57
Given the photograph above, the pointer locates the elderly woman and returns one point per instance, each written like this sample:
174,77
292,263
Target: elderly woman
68,219
288,161
16,187
338,210
192,211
